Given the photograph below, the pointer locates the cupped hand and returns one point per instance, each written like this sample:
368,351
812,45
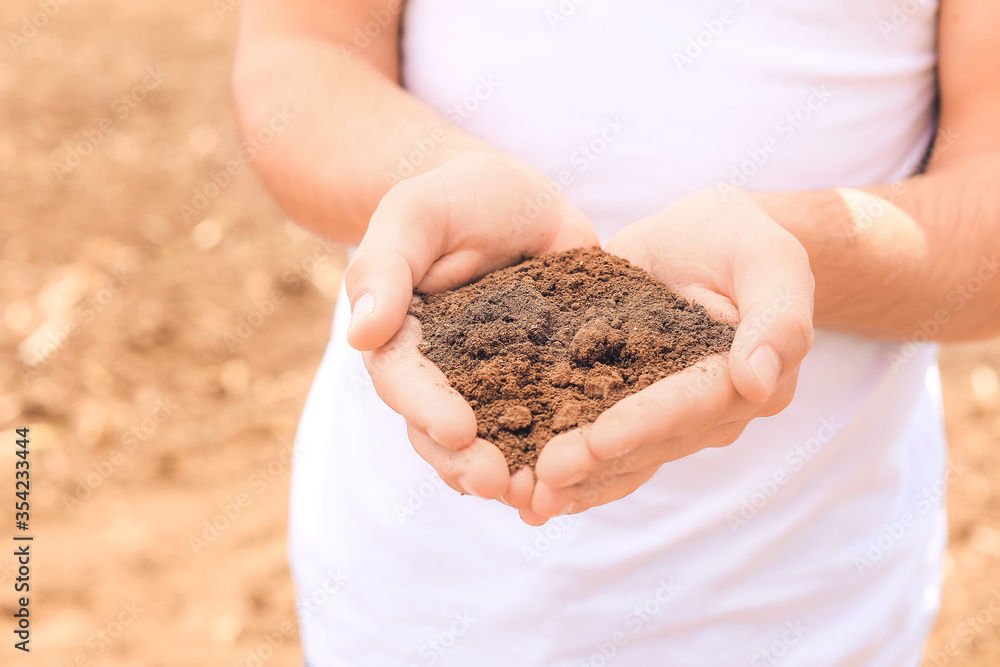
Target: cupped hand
477,213
718,248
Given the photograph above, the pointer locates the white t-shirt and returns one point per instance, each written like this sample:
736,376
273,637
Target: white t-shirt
816,538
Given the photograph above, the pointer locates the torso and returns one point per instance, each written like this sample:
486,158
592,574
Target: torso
721,551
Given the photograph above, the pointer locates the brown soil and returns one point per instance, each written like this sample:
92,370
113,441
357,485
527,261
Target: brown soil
548,345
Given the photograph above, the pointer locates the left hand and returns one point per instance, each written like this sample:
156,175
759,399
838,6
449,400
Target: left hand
723,251
435,231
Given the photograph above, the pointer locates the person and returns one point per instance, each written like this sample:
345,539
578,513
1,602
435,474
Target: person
789,165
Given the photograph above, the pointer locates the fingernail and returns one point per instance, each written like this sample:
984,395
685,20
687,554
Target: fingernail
766,365
363,307
464,485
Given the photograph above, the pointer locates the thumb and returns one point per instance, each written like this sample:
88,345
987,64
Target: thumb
774,287
403,239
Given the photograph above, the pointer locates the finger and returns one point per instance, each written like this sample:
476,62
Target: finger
403,239
575,231
692,400
417,389
774,291
533,518
487,228
550,502
480,469
470,206
650,454
633,244
566,458
522,485
417,222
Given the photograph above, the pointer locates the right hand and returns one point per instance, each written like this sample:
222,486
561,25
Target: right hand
436,231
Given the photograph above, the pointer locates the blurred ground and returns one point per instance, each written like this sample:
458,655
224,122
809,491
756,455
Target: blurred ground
173,348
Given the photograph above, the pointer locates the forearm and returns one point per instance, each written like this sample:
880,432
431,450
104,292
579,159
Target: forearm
932,267
918,256
355,131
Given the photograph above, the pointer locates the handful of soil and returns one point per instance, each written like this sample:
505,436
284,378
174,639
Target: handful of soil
547,345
